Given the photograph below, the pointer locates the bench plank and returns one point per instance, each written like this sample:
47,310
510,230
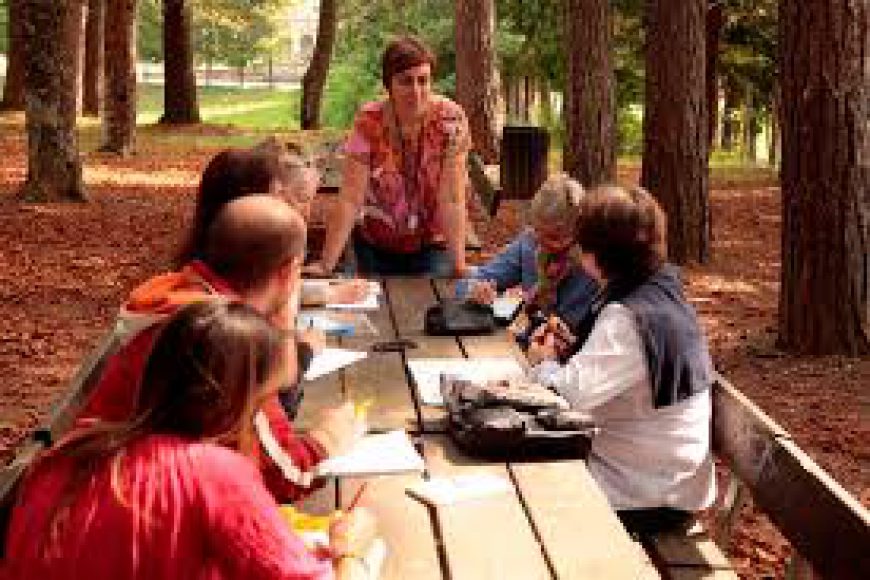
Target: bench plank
826,525
581,534
512,549
404,523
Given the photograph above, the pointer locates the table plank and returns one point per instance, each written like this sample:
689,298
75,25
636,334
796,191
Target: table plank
488,538
409,299
381,378
433,418
581,534
404,523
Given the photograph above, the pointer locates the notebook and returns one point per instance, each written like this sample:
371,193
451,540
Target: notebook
427,372
331,359
439,491
375,454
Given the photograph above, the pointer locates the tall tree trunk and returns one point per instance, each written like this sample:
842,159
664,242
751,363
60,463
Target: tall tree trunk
675,143
715,21
590,146
729,115
179,81
314,78
93,77
13,88
54,170
80,14
750,122
119,118
825,83
476,78
774,144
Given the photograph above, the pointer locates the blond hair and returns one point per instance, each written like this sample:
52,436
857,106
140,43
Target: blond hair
557,201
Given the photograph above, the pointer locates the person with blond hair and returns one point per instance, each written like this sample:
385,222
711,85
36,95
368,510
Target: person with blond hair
539,261
643,371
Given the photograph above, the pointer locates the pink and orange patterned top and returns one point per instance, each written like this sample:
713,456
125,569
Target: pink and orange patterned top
400,210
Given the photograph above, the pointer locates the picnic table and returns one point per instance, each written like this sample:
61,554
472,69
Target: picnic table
553,523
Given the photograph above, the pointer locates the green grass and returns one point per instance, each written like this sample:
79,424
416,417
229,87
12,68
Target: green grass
258,109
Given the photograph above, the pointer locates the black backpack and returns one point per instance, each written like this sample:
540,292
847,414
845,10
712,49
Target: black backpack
495,421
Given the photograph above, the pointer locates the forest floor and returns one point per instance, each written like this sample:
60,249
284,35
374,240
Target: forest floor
64,268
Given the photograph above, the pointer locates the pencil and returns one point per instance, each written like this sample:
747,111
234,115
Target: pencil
358,495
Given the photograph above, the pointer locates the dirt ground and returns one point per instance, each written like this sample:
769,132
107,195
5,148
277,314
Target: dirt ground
65,267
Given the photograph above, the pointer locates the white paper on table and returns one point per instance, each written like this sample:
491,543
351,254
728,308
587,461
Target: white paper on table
330,360
427,372
449,490
375,454
505,306
370,301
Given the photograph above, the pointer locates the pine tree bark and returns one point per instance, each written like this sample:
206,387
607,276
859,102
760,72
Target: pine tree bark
476,78
825,175
79,8
13,87
715,22
54,171
179,87
314,78
590,101
119,90
94,63
675,141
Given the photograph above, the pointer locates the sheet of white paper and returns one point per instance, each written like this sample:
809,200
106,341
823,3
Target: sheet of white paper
449,490
322,321
376,454
369,302
427,373
505,305
330,360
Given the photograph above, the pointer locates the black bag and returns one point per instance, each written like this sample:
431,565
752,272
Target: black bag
500,423
454,318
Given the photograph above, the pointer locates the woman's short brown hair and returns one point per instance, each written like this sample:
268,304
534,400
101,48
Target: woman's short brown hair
625,229
403,53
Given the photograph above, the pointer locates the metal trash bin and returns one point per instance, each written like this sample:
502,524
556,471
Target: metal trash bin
524,152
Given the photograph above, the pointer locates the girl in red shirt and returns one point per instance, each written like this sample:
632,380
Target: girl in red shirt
159,496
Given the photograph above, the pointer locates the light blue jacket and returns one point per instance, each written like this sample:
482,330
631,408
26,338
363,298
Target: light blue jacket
517,264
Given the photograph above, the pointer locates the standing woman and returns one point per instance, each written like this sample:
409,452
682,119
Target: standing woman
403,189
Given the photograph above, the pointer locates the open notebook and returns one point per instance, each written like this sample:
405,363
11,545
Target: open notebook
427,372
375,454
317,287
330,360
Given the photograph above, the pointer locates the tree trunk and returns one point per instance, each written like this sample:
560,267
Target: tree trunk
54,170
179,81
476,78
675,143
13,88
79,8
825,84
774,144
93,77
750,122
729,116
314,78
590,102
715,21
119,118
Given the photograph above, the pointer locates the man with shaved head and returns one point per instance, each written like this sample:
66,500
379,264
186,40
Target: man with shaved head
253,253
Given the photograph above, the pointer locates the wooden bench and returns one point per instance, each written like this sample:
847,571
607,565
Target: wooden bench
828,528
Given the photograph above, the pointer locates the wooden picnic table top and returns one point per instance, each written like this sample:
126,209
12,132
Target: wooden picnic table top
556,523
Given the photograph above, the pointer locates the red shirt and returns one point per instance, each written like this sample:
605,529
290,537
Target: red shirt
187,510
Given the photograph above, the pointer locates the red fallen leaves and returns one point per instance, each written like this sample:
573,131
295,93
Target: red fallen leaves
65,268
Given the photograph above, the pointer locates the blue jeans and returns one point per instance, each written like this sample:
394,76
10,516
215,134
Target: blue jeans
429,261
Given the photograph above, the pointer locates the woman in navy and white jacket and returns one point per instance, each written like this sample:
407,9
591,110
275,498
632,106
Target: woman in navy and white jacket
643,369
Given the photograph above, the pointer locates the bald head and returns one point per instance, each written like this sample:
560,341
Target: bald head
252,238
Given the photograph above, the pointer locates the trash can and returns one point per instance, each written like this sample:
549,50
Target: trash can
524,151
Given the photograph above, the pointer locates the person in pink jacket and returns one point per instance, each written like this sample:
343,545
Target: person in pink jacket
158,496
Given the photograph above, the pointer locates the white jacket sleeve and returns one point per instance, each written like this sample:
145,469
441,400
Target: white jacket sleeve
610,362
